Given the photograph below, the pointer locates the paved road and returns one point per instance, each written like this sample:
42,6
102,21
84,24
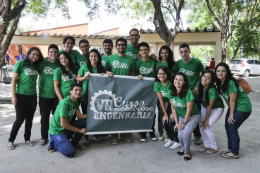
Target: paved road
133,157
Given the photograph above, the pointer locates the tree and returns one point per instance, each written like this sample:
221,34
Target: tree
12,10
226,13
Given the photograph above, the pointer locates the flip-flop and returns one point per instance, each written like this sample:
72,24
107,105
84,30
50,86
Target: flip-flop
50,149
43,142
30,143
230,157
10,146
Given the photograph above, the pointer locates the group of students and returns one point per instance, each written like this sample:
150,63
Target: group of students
187,101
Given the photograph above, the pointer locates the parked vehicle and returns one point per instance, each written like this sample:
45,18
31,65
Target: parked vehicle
245,66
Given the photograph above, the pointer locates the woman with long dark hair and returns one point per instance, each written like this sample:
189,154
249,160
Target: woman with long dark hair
182,102
161,87
94,65
64,76
165,59
239,109
212,108
48,99
24,95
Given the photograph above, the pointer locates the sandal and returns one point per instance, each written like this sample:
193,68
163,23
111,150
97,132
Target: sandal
79,147
186,158
180,152
30,143
43,142
50,149
10,146
86,141
96,139
230,157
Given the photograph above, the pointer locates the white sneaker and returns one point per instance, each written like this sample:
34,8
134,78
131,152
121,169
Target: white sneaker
175,145
168,144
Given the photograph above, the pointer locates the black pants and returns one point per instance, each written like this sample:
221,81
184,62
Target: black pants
25,110
196,131
144,133
47,106
168,127
84,103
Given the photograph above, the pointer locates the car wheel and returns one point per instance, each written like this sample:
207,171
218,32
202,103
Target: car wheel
246,73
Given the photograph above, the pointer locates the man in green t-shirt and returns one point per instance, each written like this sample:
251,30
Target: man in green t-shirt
107,47
120,64
192,67
62,125
69,43
132,49
84,47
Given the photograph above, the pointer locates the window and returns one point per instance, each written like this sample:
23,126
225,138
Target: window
257,62
236,62
250,61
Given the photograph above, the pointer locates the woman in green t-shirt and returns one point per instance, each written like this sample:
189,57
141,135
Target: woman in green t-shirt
211,110
239,109
64,76
24,96
48,99
161,87
184,107
165,58
94,65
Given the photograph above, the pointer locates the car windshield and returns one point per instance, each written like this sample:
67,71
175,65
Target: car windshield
236,62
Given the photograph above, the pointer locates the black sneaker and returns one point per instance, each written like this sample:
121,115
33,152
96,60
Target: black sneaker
197,141
153,137
143,138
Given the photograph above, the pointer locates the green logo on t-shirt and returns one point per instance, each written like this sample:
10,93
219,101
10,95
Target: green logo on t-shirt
67,78
117,64
135,56
187,72
103,63
176,104
144,70
48,70
82,63
29,71
72,112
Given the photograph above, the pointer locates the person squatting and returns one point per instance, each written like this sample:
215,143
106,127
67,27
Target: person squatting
187,101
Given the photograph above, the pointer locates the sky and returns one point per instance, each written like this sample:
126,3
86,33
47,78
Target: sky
78,13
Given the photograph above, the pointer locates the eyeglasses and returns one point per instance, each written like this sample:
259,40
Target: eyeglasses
70,43
134,35
84,46
162,74
33,54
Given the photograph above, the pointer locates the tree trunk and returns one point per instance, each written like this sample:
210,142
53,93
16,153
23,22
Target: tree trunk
20,47
235,52
8,39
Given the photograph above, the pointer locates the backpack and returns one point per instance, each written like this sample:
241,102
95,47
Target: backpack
245,85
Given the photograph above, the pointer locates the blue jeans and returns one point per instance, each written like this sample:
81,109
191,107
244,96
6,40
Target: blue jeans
232,129
62,143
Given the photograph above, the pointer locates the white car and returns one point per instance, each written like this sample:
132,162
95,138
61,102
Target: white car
245,66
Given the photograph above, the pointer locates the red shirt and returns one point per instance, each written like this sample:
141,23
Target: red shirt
212,65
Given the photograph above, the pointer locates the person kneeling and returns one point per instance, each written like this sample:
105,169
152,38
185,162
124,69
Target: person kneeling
61,124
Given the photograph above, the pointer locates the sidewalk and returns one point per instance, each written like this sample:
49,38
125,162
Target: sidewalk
135,157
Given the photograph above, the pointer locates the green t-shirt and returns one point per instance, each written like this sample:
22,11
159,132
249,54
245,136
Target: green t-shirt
192,70
74,54
82,60
45,83
65,81
120,65
66,108
160,63
243,102
213,95
82,71
104,60
133,52
181,104
146,69
28,76
164,90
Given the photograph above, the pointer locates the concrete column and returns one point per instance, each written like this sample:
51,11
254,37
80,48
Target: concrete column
217,52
